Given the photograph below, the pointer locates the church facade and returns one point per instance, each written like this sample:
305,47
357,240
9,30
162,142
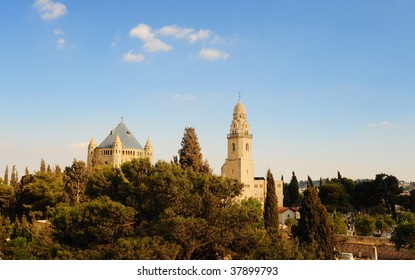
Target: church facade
118,147
239,164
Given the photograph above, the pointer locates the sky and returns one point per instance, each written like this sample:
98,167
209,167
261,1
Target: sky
328,85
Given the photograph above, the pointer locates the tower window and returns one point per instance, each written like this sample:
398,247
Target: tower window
233,147
247,147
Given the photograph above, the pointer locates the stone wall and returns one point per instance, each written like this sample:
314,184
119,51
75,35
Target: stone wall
361,247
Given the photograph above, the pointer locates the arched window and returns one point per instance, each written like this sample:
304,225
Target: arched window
233,147
247,147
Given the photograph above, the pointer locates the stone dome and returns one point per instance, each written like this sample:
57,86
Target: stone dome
239,108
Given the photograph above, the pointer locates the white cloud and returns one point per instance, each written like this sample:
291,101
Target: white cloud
201,34
151,43
61,41
175,31
58,31
184,33
49,10
183,97
385,123
213,54
114,44
79,145
132,57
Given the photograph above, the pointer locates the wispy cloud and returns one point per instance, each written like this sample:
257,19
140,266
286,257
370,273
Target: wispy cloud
132,57
183,97
49,10
175,31
213,54
58,31
82,145
184,33
151,42
385,123
61,42
200,35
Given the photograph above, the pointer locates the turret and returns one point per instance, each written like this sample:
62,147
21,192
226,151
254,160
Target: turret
91,152
148,148
117,151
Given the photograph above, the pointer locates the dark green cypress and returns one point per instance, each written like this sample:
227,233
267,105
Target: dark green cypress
315,228
271,205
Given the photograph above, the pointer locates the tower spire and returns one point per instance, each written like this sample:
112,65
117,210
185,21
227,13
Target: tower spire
239,96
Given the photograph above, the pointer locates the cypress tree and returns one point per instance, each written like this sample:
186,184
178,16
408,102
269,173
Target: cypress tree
190,155
6,175
271,205
293,193
14,177
42,166
315,228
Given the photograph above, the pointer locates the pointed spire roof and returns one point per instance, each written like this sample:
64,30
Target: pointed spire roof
148,144
127,139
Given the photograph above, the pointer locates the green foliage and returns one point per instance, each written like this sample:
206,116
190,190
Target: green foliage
75,181
100,221
365,225
271,204
42,191
6,175
403,235
334,196
190,155
292,195
145,248
7,200
379,195
315,229
339,222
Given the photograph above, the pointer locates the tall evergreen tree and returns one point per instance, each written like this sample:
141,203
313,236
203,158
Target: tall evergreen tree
190,155
75,180
315,229
271,205
14,180
293,193
6,175
42,166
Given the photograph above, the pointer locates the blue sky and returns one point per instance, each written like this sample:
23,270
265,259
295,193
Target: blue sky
328,85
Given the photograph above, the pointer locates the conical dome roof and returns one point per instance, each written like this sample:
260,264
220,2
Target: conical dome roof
127,138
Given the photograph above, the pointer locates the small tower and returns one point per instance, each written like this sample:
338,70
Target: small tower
91,152
117,151
148,148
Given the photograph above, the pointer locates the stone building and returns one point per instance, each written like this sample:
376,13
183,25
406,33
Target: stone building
120,146
239,164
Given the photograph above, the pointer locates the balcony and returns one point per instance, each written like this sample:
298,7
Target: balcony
240,135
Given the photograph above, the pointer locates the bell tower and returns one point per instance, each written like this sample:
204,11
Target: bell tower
239,164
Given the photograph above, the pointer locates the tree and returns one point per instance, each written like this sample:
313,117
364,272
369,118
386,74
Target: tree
42,166
315,229
75,180
365,225
6,175
339,222
98,222
334,196
14,181
403,235
271,205
190,155
292,197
